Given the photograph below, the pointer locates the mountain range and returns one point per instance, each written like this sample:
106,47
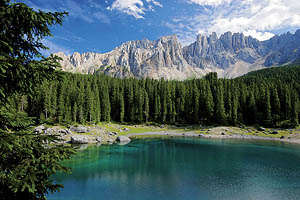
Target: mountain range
230,55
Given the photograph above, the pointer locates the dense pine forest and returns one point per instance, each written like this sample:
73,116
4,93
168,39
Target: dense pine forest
267,97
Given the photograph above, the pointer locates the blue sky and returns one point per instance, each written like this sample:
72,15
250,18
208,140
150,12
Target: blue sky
101,25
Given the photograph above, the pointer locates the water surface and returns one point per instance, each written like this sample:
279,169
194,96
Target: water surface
184,168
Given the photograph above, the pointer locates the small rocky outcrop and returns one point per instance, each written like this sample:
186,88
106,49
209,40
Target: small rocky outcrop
274,132
49,131
98,139
79,139
123,139
79,129
110,141
39,129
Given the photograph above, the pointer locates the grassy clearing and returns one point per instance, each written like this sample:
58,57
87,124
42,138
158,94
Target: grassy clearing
119,128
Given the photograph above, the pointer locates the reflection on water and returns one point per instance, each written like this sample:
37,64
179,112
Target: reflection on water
184,168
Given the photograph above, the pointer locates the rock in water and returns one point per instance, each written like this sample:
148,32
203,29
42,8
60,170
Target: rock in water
123,139
79,139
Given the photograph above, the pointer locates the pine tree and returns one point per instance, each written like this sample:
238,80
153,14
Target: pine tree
80,103
90,103
61,106
219,106
234,107
97,106
122,107
251,111
275,105
295,110
267,109
26,163
105,103
208,103
75,112
195,104
146,106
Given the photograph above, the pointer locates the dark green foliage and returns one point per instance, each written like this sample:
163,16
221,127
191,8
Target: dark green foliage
26,164
26,161
248,100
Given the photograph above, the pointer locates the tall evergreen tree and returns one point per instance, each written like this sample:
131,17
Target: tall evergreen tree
146,106
219,106
105,103
26,164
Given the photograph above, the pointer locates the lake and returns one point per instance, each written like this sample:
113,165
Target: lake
184,168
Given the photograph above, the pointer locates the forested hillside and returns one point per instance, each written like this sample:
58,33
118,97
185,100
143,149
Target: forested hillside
267,97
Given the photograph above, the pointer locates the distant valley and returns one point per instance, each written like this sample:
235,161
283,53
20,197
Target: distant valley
230,55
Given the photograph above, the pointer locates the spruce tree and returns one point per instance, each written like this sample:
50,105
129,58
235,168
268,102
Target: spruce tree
220,115
146,106
26,164
105,103
122,108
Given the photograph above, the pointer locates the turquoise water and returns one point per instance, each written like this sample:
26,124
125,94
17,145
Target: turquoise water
184,168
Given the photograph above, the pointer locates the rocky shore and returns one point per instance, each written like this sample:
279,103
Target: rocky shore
220,136
82,135
101,135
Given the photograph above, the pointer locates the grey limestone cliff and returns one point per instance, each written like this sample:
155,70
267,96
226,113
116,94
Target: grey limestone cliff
230,55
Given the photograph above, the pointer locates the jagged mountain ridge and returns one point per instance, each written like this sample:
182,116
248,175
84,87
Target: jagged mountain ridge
230,55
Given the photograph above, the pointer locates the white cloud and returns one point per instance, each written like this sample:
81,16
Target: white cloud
209,2
156,3
258,18
259,35
136,8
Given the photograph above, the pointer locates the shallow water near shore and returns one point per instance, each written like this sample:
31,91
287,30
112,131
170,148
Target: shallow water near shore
184,168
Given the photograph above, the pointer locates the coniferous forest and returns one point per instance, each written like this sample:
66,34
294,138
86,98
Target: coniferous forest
267,97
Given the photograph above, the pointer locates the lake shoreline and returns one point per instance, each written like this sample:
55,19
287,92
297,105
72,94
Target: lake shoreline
213,136
109,133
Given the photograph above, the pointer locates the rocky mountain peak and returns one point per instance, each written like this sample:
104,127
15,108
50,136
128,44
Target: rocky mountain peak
230,55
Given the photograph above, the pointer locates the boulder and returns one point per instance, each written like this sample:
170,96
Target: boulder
98,139
112,133
126,129
49,131
222,133
110,141
123,139
282,137
122,143
39,129
274,132
79,129
261,129
79,139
